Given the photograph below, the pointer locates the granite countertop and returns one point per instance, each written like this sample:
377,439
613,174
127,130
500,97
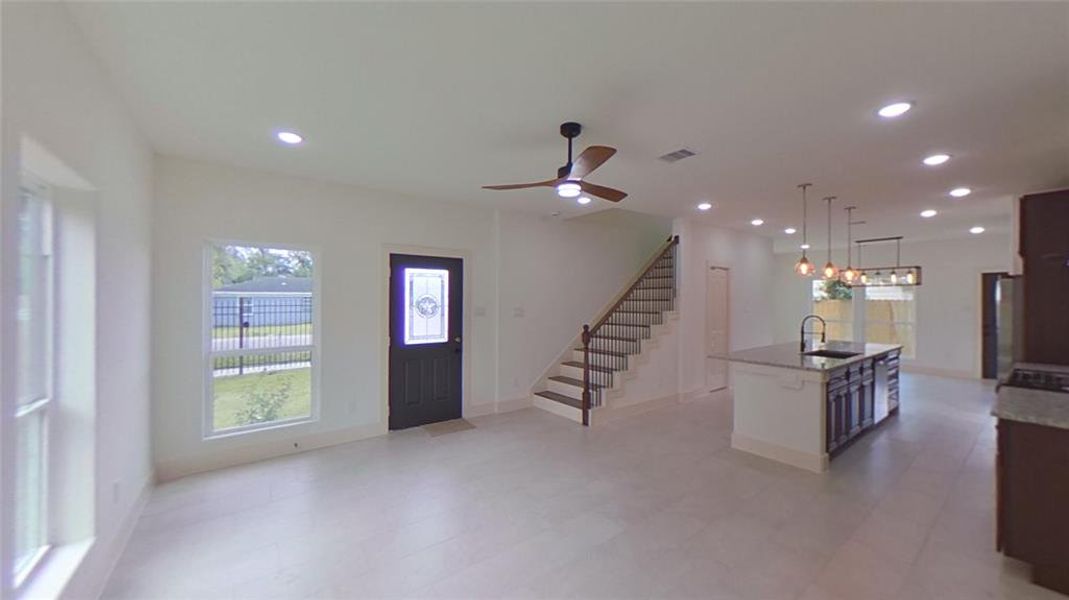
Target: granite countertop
788,356
1032,406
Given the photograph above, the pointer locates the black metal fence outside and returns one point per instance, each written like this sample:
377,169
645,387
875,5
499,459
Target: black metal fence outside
258,322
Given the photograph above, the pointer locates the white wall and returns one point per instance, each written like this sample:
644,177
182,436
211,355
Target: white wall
557,274
948,302
751,290
55,93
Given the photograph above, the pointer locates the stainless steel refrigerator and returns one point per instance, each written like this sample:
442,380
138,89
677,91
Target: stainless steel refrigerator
1009,298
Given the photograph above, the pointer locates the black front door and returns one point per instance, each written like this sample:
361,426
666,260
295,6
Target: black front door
425,344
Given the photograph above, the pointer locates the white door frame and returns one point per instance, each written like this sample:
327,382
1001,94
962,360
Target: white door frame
709,266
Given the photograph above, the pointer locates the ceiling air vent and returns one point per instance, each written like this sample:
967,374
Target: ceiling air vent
680,154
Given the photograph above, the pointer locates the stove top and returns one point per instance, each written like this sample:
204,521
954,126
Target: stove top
1039,377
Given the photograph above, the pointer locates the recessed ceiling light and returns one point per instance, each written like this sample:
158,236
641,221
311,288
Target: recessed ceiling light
757,222
928,214
583,200
894,110
705,206
936,159
960,192
976,230
790,231
804,246
289,137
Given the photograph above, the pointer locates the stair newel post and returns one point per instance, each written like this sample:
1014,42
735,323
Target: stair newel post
586,375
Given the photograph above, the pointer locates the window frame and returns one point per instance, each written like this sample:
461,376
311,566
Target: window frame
208,431
865,320
40,406
852,322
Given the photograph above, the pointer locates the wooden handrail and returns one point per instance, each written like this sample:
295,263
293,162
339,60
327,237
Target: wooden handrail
664,249
588,333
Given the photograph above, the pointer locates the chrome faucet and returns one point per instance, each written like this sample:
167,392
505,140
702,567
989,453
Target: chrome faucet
823,330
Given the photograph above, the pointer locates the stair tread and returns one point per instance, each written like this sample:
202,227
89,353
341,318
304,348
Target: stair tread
561,398
597,351
572,381
579,365
598,336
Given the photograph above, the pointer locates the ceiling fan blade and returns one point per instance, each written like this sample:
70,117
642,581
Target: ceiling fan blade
601,191
591,158
519,186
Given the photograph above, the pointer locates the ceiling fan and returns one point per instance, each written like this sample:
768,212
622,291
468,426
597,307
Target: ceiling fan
569,181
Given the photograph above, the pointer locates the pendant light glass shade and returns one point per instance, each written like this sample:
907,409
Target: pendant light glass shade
830,270
803,267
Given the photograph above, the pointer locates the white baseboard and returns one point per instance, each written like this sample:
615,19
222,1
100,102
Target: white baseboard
608,413
89,579
803,460
255,452
500,406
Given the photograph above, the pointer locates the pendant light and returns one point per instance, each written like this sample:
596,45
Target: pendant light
830,270
803,267
849,274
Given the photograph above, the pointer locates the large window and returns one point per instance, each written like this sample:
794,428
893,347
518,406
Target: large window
833,301
34,325
891,316
262,337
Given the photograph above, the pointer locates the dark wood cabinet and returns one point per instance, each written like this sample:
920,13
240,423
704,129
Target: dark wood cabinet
1033,499
1044,249
851,398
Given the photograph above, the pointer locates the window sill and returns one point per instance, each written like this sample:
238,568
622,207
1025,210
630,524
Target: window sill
247,429
50,577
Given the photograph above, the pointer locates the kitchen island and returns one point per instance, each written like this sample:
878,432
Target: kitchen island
803,406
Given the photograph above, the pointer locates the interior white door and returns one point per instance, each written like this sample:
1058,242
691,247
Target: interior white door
716,327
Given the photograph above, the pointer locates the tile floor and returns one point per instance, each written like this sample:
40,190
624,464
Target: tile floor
529,505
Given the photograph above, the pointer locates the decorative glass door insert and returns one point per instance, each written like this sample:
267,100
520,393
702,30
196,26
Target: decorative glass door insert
426,306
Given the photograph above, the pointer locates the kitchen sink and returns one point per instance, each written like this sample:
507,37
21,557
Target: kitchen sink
831,353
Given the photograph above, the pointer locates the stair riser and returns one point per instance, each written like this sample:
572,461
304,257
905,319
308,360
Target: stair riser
651,294
617,363
599,377
557,408
618,346
642,318
565,389
646,305
654,282
625,331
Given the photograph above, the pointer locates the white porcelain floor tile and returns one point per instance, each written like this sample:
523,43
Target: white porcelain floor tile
529,505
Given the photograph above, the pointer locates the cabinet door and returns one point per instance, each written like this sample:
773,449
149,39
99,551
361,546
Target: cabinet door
837,413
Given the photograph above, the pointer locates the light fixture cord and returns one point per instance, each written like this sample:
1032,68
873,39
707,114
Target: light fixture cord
805,232
829,199
849,222
898,253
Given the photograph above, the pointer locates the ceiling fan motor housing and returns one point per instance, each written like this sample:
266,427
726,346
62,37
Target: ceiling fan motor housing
570,129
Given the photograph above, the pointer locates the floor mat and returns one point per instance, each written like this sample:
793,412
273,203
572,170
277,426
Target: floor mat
444,427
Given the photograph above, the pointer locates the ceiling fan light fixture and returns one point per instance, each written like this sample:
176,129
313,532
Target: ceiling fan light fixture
568,189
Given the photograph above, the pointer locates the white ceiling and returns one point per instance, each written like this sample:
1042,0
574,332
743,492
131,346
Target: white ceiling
437,100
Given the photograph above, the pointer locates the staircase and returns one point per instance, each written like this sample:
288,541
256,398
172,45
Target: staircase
606,351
